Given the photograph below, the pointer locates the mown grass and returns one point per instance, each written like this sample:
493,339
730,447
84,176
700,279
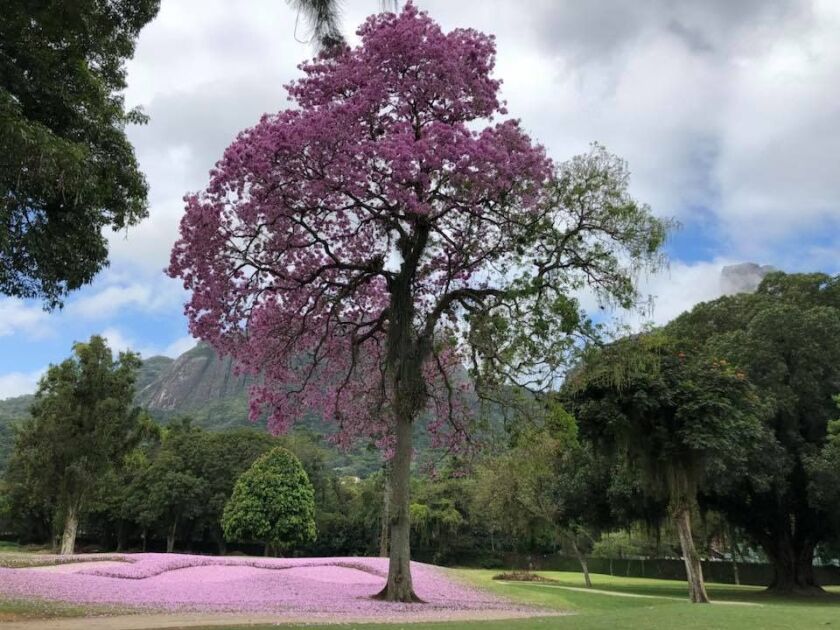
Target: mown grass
664,607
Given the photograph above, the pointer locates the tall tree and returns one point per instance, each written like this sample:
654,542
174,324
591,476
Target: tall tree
786,337
356,249
67,169
672,415
83,423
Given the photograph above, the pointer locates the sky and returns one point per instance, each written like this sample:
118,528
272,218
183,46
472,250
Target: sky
728,114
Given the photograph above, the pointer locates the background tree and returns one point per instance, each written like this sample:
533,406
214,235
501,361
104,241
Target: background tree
272,501
382,240
548,484
83,423
786,337
171,490
67,169
672,415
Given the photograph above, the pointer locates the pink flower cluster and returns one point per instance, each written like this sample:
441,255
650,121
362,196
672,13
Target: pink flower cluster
290,252
203,583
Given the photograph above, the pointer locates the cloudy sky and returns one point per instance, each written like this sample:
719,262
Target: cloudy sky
727,112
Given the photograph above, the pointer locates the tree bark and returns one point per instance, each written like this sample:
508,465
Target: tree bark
399,587
120,535
385,520
693,568
583,564
735,552
170,537
793,568
71,525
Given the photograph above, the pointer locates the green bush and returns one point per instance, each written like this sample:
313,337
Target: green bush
273,502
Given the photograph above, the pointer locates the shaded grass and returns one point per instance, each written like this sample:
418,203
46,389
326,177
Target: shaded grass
31,609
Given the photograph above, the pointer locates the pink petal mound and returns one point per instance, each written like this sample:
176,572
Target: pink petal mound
205,583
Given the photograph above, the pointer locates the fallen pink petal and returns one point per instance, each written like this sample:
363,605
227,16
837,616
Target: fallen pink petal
191,583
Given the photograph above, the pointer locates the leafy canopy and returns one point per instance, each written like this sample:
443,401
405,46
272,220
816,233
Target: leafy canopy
67,169
272,501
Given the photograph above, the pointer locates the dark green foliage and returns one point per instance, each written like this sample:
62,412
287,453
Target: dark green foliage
786,337
273,501
67,169
670,414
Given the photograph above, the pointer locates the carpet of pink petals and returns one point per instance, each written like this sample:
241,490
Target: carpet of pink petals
206,583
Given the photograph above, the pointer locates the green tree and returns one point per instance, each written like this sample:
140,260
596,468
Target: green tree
547,485
67,169
83,423
170,491
786,337
824,476
673,416
272,501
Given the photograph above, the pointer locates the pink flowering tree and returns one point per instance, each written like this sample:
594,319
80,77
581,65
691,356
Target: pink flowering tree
359,250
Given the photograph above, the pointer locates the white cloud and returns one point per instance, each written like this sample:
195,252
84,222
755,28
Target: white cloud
19,383
680,287
118,341
179,346
155,295
18,317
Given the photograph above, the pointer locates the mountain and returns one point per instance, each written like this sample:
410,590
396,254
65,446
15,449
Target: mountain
198,384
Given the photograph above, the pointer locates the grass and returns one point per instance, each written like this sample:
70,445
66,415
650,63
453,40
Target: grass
664,607
32,609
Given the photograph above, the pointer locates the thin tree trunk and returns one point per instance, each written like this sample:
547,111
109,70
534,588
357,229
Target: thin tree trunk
735,552
583,564
399,587
385,520
693,568
71,525
170,537
120,534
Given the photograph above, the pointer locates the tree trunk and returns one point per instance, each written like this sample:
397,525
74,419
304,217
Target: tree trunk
71,525
793,569
693,568
221,543
583,564
399,587
120,534
170,537
385,520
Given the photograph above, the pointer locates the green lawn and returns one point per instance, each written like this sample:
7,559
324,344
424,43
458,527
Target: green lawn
666,607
